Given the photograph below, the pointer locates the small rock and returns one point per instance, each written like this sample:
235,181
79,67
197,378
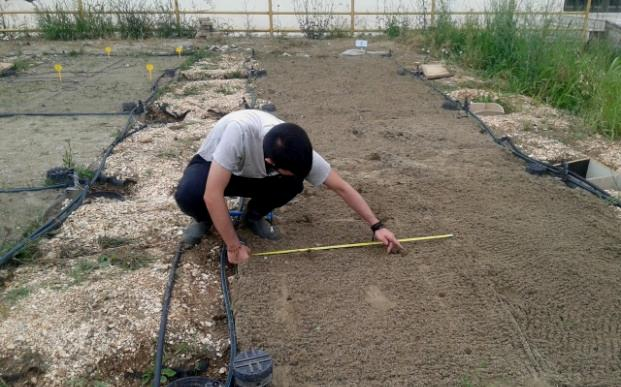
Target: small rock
6,68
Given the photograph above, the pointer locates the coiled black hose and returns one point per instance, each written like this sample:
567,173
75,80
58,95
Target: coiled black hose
68,114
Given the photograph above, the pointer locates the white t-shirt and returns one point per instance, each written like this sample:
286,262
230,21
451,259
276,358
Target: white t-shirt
236,143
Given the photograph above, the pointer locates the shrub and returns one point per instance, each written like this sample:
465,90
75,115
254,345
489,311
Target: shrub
315,17
535,56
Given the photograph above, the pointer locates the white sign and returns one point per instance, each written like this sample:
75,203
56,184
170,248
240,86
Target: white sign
361,44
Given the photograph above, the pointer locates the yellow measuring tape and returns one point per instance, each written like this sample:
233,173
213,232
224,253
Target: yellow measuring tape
361,244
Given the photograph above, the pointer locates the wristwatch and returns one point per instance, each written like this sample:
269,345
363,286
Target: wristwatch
377,226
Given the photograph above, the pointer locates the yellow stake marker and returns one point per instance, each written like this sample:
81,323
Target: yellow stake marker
362,244
150,70
59,68
179,50
108,50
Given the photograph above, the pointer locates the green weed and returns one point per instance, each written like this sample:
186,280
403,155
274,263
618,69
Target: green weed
20,65
535,56
130,23
30,252
167,374
466,382
196,56
82,269
125,18
68,156
14,295
123,258
84,173
61,22
106,242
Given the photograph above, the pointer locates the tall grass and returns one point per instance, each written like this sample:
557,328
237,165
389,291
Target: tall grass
127,19
62,22
536,56
132,24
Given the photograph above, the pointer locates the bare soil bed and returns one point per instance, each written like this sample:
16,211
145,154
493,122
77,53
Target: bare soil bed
527,293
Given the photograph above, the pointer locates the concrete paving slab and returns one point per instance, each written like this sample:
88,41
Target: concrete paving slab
6,68
435,71
486,108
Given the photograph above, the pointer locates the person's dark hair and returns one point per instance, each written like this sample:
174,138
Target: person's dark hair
289,147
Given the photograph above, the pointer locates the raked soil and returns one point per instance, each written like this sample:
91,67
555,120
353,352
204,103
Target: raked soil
528,292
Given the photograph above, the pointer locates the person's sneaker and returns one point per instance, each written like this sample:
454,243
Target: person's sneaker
263,229
193,234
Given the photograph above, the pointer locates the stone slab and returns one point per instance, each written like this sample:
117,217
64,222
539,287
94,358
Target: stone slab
435,71
6,68
353,52
380,53
486,109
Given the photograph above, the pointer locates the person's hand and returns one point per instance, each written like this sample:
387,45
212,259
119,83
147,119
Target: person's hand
389,240
238,254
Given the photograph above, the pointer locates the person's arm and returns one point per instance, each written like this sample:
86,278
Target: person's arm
357,203
217,181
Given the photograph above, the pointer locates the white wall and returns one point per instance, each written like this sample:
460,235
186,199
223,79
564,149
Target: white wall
290,22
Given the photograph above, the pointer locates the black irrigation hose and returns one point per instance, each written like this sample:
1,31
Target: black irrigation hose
562,172
68,114
77,201
230,319
159,352
34,189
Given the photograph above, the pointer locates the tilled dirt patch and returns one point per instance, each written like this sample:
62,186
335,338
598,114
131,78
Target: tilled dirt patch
528,292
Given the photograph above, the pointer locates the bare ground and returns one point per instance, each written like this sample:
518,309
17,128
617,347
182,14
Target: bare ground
528,292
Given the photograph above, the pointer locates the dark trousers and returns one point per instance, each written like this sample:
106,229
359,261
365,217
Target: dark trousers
265,193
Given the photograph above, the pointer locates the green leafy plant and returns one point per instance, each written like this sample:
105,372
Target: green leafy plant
167,374
68,161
